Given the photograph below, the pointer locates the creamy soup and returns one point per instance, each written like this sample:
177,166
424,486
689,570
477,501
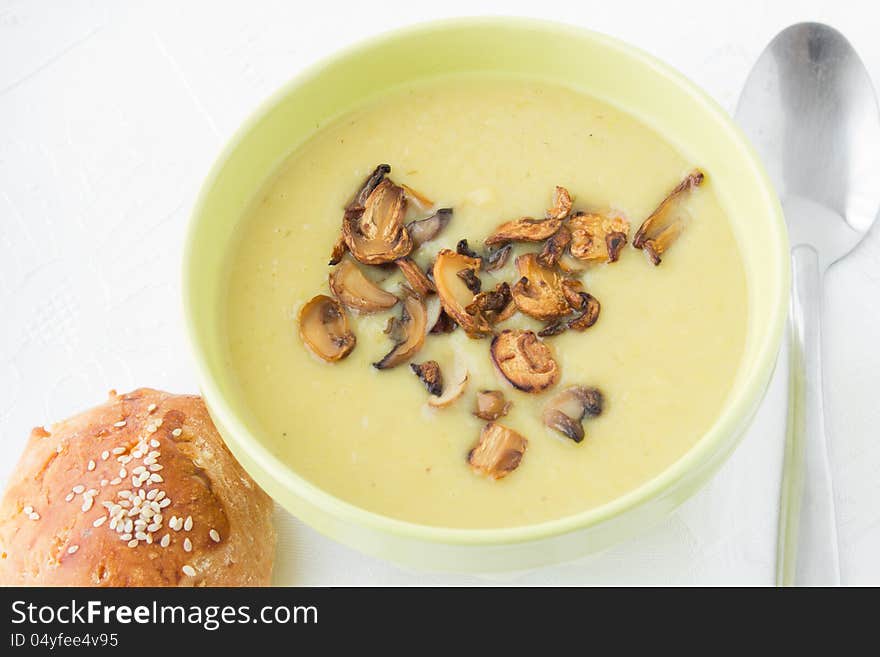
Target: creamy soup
664,351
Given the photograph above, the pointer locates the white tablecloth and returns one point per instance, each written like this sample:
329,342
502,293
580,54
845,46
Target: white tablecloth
111,114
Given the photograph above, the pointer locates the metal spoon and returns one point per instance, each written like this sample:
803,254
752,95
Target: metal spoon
810,110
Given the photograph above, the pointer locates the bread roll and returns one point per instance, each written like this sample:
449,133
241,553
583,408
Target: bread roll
140,491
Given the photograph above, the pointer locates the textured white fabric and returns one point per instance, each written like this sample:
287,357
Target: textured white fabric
110,116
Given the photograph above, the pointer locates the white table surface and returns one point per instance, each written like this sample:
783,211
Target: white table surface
110,116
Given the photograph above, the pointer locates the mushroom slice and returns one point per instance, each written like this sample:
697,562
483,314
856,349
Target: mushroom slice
555,247
408,332
377,234
589,236
614,243
498,258
491,405
471,280
590,308
463,248
561,204
358,292
554,328
324,329
359,200
424,230
429,374
454,294
498,452
495,305
452,392
444,323
539,292
494,261
660,230
525,361
417,279
525,229
565,412
339,250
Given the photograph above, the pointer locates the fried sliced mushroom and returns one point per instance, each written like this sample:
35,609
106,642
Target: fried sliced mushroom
323,327
425,230
357,292
590,236
377,234
471,280
554,248
491,405
590,308
525,229
429,373
340,248
561,204
539,292
408,331
415,277
452,392
454,294
566,411
665,224
444,323
497,258
498,452
525,361
359,200
463,248
494,305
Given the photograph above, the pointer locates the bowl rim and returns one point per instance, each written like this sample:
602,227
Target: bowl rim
736,408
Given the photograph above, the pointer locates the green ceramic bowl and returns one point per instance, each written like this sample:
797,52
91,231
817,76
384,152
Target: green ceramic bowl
602,67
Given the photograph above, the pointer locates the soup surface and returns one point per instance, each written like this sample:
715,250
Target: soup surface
665,349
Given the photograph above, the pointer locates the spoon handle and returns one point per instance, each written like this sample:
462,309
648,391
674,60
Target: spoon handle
807,552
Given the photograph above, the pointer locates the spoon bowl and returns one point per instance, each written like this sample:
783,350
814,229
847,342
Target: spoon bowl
810,110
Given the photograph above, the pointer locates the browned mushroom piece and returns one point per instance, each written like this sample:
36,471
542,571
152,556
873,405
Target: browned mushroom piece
340,248
525,229
377,235
324,329
498,452
539,292
358,292
565,412
408,331
571,289
491,405
471,280
463,248
553,328
494,305
429,373
561,204
525,361
665,224
415,277
497,258
589,308
359,200
554,248
590,236
424,230
453,392
444,323
454,294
